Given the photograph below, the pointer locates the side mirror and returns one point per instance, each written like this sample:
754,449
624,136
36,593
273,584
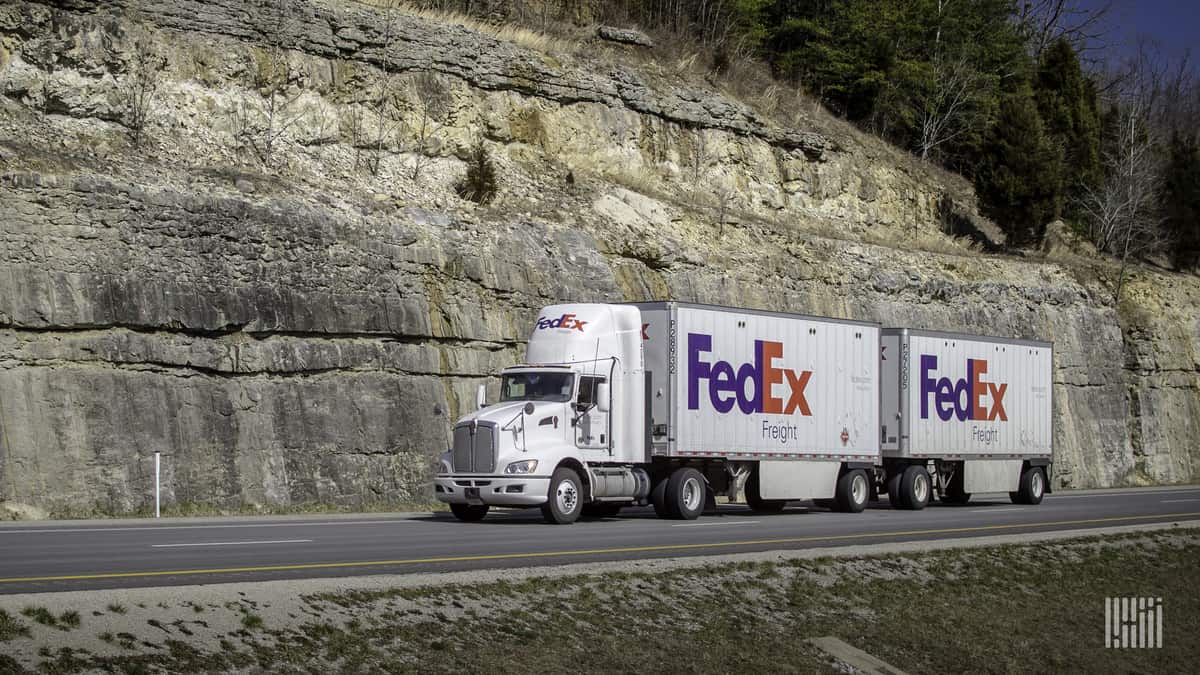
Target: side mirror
602,403
481,397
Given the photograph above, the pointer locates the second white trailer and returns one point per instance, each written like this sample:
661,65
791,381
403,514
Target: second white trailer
964,414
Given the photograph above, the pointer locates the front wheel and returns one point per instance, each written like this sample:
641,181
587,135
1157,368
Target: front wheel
1032,487
853,491
469,513
565,501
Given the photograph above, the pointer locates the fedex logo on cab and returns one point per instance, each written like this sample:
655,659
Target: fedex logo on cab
568,321
727,384
964,398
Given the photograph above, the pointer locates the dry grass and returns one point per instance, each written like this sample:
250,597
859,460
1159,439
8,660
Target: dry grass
520,35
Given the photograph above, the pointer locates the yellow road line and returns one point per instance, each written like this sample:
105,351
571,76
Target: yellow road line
593,551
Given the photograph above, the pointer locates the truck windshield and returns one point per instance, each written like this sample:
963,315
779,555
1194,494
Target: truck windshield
536,386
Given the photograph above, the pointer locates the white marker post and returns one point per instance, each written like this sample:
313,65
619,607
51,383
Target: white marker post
157,464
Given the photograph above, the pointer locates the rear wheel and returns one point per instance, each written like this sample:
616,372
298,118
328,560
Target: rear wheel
757,503
1032,487
853,491
658,498
914,488
685,493
469,513
893,489
565,500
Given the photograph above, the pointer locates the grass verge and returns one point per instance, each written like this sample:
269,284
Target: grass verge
1024,608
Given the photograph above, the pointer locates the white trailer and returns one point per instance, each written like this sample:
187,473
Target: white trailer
673,403
964,414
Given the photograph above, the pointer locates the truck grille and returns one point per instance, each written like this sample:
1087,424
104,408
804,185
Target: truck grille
474,448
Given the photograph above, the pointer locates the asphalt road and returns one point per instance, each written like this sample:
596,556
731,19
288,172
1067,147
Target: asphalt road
59,556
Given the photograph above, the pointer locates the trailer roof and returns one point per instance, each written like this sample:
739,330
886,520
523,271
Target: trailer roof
666,304
967,336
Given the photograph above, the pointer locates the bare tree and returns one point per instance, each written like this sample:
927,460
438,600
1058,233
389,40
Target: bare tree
432,104
946,113
1044,21
264,127
140,86
1123,213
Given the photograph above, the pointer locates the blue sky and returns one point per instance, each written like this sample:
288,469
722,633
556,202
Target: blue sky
1174,23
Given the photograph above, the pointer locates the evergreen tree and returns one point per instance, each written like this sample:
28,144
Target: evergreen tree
1018,176
1182,202
1066,101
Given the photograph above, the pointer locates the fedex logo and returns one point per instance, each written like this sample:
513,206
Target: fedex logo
962,399
727,386
564,321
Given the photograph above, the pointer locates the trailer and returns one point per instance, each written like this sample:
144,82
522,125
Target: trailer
964,414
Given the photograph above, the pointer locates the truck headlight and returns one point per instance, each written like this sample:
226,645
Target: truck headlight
523,466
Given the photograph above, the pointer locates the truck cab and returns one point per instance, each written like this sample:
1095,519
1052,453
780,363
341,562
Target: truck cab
568,426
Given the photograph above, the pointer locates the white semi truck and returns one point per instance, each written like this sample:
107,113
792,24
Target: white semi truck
673,403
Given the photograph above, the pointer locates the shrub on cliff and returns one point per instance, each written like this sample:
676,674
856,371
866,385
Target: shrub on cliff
1018,178
479,185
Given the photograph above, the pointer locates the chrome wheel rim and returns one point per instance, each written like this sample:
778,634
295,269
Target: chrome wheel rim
692,494
921,487
567,496
1036,484
858,489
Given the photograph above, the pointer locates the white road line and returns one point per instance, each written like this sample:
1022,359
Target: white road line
740,522
994,510
1176,501
234,543
204,527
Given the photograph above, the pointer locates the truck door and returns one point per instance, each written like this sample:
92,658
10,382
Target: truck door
591,429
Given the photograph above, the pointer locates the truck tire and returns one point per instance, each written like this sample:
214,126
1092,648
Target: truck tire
757,503
1032,487
893,489
914,488
685,493
658,498
853,492
565,501
601,510
469,513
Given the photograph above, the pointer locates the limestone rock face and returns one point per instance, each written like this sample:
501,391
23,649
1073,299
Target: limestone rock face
306,329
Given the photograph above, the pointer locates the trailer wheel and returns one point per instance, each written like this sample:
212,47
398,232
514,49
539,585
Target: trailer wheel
601,510
685,493
469,513
1032,487
853,491
914,488
893,489
757,503
565,501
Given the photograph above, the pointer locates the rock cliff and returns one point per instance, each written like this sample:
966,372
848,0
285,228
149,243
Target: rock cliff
302,325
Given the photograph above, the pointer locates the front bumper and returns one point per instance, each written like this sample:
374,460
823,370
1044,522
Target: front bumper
508,490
